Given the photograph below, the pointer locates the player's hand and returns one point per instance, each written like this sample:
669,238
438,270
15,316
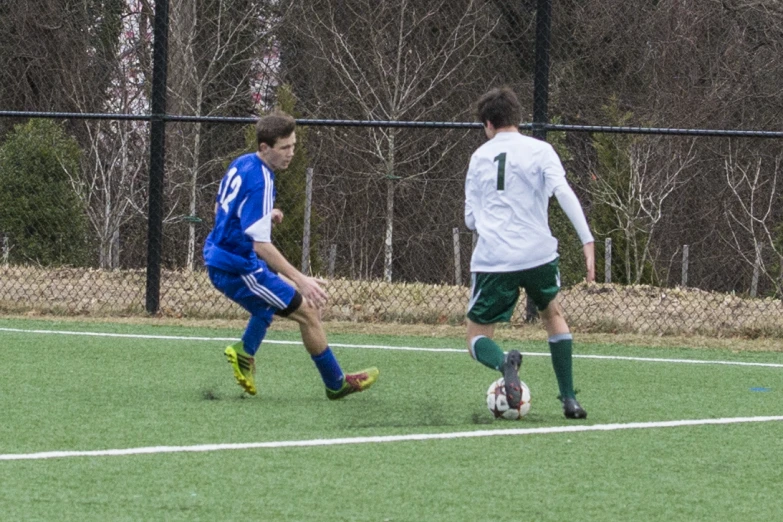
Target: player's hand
277,216
589,251
311,289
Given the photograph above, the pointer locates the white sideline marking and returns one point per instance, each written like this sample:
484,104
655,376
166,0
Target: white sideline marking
385,347
379,439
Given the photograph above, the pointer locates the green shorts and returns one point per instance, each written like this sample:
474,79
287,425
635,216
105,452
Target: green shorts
494,295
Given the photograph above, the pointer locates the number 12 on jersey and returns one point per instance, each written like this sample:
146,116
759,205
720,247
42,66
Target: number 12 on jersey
501,159
231,183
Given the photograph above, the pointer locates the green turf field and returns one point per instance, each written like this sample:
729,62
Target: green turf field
419,446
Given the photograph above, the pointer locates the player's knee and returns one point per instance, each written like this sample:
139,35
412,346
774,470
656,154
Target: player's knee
306,314
293,306
552,311
312,312
299,309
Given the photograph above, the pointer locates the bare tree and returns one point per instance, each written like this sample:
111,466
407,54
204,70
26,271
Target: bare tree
390,61
711,64
111,182
46,48
755,215
110,179
657,167
215,51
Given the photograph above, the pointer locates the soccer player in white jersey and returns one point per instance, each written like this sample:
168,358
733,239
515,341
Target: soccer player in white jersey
245,265
507,189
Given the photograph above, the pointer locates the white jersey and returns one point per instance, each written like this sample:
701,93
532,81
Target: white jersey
509,182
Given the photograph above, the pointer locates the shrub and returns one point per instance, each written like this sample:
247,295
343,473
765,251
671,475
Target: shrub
39,211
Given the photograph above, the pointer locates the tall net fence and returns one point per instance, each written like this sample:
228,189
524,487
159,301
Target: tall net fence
665,114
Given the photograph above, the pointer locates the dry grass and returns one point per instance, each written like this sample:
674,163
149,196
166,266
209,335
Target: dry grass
596,309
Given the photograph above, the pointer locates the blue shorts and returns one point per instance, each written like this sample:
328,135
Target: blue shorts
262,293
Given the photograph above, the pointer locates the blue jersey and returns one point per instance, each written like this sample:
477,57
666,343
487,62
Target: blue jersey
244,215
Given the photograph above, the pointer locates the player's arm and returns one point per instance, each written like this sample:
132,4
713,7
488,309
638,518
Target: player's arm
257,218
588,249
557,185
309,287
573,209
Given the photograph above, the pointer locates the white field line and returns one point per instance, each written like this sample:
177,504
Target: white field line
379,439
386,347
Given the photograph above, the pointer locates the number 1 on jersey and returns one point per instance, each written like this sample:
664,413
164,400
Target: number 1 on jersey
501,159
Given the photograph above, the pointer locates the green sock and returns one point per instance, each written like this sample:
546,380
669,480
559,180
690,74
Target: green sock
560,348
488,353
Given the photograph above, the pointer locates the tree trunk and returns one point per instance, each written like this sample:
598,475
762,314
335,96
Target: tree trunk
390,180
194,193
388,249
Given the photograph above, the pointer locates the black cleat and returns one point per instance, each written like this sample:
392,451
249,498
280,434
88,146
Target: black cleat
572,409
510,371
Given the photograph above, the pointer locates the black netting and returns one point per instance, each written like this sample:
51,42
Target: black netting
685,206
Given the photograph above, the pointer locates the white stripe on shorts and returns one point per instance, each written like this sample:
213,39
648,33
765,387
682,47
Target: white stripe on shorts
263,292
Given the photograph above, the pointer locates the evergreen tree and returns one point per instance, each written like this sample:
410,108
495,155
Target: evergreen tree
572,265
39,211
614,206
291,186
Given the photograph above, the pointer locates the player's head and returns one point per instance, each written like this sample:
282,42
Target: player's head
274,126
500,107
276,138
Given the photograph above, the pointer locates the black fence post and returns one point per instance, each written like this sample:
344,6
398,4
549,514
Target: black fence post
540,95
541,77
157,154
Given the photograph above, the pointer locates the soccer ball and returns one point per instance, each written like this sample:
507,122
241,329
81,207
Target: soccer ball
498,403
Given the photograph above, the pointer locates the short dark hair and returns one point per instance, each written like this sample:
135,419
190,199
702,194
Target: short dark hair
500,107
274,126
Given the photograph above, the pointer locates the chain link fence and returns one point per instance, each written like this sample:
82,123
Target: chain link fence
666,116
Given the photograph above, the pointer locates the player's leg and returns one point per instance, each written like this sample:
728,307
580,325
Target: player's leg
493,298
561,348
286,301
338,384
481,346
244,289
243,365
543,284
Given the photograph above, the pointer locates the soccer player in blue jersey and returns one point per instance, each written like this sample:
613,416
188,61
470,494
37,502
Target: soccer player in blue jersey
507,189
245,265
